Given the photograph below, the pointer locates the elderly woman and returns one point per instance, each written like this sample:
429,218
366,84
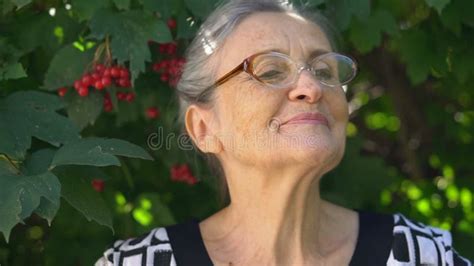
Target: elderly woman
262,95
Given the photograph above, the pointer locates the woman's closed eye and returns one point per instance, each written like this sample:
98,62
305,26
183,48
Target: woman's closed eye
323,73
271,74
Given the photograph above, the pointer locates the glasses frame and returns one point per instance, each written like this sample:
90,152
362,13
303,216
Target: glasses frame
246,66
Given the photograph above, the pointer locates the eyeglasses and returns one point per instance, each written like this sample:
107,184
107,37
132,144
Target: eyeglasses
278,70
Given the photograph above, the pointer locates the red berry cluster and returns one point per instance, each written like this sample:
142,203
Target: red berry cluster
170,70
152,112
98,185
101,78
182,173
168,48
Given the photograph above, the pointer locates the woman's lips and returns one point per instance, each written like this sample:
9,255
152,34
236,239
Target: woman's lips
308,118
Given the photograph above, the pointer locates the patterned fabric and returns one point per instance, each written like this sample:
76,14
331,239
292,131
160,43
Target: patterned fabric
413,244
417,244
153,248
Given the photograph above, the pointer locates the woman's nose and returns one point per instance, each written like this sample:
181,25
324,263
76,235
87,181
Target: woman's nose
306,88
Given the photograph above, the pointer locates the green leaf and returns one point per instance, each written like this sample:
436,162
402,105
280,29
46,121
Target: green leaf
463,64
166,8
201,8
418,51
360,8
340,13
67,65
437,4
153,5
457,13
85,9
20,195
27,114
84,111
6,6
8,145
6,167
127,113
47,210
77,191
14,71
42,30
122,4
366,35
97,152
130,32
38,162
20,3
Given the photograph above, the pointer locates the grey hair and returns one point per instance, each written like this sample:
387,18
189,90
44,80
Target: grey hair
198,74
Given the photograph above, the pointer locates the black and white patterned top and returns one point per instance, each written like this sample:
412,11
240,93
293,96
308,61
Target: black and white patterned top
383,239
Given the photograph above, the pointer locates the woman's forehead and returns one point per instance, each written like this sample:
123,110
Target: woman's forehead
270,31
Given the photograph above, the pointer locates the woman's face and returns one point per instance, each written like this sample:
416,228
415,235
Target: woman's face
244,108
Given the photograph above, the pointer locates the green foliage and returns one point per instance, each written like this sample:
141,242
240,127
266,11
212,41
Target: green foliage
21,195
438,4
130,32
84,111
76,190
96,152
366,33
33,114
68,64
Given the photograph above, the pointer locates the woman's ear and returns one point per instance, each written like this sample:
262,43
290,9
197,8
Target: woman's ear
199,125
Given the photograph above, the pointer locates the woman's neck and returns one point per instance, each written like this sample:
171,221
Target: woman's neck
276,219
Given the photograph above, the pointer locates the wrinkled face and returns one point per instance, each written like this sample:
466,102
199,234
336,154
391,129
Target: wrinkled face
250,117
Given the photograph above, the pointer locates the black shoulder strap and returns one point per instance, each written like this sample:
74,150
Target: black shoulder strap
375,239
187,244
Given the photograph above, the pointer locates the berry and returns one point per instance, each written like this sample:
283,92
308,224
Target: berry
95,76
108,107
77,84
106,81
124,73
164,77
115,72
83,91
107,72
98,185
99,68
99,85
152,112
172,23
123,82
182,173
86,80
162,48
130,97
171,49
121,96
62,91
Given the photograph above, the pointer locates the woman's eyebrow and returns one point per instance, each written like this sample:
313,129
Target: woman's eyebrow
317,52
314,53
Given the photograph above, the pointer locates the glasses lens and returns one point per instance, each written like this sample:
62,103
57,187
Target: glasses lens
334,69
273,69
